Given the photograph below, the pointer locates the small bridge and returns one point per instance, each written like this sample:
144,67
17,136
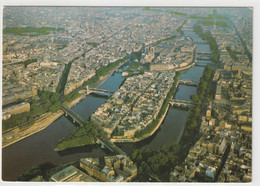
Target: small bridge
181,103
203,52
201,42
201,64
111,146
187,29
188,82
75,117
99,91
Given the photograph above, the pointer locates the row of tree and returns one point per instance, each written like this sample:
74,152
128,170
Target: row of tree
153,163
212,43
103,70
205,93
231,53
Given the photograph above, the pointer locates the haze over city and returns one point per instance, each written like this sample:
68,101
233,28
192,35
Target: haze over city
127,94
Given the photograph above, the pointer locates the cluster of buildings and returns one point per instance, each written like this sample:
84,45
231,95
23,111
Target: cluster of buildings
135,105
96,38
224,152
15,109
117,168
174,54
15,92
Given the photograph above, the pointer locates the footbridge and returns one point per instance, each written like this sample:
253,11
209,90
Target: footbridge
99,91
181,103
75,117
111,146
188,82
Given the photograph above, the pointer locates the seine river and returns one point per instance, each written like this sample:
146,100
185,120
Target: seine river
39,148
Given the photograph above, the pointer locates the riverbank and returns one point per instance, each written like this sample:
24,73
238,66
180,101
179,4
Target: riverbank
133,140
17,134
158,123
38,126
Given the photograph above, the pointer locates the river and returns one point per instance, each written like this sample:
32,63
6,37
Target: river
39,148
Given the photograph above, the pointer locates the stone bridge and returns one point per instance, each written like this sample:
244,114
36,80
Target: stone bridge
99,91
181,103
188,82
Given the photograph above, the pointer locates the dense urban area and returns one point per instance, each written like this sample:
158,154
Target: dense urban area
55,58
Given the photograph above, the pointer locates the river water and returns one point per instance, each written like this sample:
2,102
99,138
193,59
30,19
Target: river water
39,148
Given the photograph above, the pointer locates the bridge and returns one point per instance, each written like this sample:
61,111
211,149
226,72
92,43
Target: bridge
75,117
201,42
104,142
181,103
99,91
188,82
187,29
111,146
203,52
201,64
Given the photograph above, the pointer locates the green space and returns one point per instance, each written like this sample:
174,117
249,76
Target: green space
201,17
103,70
179,29
217,15
156,163
177,13
136,68
70,97
214,15
206,23
221,24
48,101
147,8
117,132
208,37
159,163
231,53
150,127
164,40
30,31
61,46
27,62
169,38
92,44
85,135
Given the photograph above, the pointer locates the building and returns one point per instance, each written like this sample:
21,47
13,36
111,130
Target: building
115,169
15,109
71,174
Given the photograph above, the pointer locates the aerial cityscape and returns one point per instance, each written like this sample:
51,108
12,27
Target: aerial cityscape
127,94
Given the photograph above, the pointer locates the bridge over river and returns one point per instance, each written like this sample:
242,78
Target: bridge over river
75,117
103,141
188,82
99,91
181,103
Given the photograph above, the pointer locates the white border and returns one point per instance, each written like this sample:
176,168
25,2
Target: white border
164,3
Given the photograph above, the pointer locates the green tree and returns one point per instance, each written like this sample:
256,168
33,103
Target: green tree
195,98
54,98
55,107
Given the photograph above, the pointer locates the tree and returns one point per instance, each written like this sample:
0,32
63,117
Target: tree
55,107
47,105
195,98
31,121
54,98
